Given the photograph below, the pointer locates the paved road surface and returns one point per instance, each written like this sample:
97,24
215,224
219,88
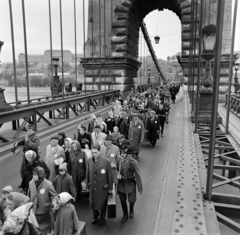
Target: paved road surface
152,165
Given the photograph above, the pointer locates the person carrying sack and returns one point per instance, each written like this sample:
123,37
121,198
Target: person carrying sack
128,178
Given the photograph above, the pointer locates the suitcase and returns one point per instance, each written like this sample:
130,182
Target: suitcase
112,205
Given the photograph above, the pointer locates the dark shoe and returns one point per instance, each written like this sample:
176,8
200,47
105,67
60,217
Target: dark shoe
101,221
131,214
124,219
94,220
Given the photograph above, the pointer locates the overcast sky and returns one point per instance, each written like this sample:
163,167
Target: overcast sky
168,28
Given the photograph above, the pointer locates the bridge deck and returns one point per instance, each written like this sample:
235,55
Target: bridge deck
170,204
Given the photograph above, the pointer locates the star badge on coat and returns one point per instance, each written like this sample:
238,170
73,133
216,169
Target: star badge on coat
80,160
42,191
103,171
139,127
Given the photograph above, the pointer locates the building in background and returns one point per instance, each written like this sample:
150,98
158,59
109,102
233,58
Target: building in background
32,58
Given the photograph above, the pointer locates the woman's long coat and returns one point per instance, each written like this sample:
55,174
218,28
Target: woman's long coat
136,133
153,129
77,167
99,178
66,221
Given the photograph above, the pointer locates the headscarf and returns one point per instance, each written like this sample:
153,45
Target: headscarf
16,220
70,142
78,147
31,155
65,197
41,174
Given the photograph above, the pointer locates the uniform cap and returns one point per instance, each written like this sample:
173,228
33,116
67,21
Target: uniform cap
54,138
109,137
63,166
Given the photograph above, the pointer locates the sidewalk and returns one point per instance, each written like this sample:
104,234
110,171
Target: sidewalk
182,209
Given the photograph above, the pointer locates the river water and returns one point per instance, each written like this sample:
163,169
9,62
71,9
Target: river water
35,92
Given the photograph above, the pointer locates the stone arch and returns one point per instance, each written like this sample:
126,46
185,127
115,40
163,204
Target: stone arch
129,15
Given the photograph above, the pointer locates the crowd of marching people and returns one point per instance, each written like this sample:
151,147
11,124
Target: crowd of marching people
100,160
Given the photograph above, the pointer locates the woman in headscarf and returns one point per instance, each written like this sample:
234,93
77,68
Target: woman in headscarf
66,222
31,160
43,196
68,147
77,166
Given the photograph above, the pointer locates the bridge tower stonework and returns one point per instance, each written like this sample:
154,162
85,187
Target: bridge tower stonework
111,46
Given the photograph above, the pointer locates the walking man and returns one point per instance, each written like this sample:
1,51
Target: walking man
153,128
100,182
136,132
129,176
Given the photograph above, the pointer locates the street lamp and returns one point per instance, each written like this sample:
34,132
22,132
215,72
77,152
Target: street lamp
56,86
157,38
236,83
209,39
55,64
149,73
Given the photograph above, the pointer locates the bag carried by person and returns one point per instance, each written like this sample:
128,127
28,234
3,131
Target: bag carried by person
112,205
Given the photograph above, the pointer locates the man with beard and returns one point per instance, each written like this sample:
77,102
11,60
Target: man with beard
100,183
153,128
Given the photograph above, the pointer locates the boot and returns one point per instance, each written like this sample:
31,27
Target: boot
125,212
131,214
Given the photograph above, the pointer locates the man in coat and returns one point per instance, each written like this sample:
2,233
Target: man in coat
129,177
123,123
31,140
98,137
162,117
136,132
100,182
80,134
153,128
53,153
112,153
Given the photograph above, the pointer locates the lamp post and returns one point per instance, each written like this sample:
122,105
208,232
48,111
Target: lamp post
4,106
56,86
206,93
236,83
209,39
149,73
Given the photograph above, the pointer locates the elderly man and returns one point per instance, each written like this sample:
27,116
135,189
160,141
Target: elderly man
100,183
112,153
136,132
55,156
98,137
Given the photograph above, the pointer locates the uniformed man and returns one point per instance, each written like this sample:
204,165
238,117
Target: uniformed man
136,132
100,183
129,176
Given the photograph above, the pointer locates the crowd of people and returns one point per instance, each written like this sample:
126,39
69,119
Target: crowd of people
100,160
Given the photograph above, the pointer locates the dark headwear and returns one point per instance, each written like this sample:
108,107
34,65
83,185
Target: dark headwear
62,134
130,150
54,138
109,137
39,171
